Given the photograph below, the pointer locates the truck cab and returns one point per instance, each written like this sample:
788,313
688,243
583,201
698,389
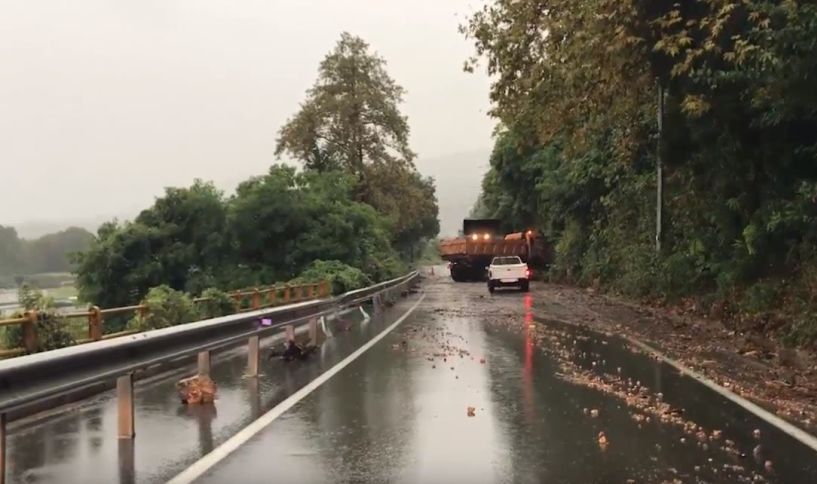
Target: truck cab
508,271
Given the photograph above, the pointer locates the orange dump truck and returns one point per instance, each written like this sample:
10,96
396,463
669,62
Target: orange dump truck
470,254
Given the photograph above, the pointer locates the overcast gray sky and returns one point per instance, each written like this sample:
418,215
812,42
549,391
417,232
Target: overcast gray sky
103,103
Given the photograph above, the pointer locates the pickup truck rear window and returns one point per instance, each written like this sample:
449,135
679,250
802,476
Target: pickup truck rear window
506,261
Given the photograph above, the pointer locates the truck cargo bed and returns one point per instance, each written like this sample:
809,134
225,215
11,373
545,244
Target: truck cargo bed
454,249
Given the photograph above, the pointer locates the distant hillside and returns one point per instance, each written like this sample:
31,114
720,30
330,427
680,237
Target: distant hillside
49,253
458,177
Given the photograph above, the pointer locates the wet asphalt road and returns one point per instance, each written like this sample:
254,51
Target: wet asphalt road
542,396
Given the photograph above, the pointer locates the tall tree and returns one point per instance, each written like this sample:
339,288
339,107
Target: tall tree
180,241
350,119
351,122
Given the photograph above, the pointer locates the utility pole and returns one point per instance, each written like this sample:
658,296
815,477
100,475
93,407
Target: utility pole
659,171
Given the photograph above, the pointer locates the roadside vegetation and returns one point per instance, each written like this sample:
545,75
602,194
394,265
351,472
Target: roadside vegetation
576,92
53,331
431,253
357,212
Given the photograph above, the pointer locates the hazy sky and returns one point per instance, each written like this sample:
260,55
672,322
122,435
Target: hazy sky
104,102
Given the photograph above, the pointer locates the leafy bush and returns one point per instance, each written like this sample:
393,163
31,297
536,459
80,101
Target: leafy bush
217,303
385,268
165,307
802,331
342,277
761,297
52,332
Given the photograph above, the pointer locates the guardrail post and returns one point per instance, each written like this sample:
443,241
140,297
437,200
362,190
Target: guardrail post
204,363
30,331
287,293
272,296
253,354
253,387
127,461
256,298
142,311
310,291
313,331
327,288
2,448
94,323
290,332
124,398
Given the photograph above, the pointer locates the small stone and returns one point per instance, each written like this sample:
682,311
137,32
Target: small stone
594,413
471,411
756,434
603,442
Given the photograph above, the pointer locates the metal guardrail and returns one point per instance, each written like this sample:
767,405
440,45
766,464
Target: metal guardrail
32,378
256,299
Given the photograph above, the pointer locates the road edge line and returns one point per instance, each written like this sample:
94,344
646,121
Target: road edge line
205,463
793,431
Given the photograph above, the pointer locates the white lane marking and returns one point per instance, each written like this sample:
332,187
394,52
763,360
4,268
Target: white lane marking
200,467
804,437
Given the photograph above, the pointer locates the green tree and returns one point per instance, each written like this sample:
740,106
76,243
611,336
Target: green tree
350,119
351,122
283,221
181,241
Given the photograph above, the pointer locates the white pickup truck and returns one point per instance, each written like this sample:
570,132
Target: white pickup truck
508,271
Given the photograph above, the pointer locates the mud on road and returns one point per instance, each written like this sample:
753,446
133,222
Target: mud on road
786,386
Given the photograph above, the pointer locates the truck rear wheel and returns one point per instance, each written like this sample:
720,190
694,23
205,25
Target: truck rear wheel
458,273
525,286
490,287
